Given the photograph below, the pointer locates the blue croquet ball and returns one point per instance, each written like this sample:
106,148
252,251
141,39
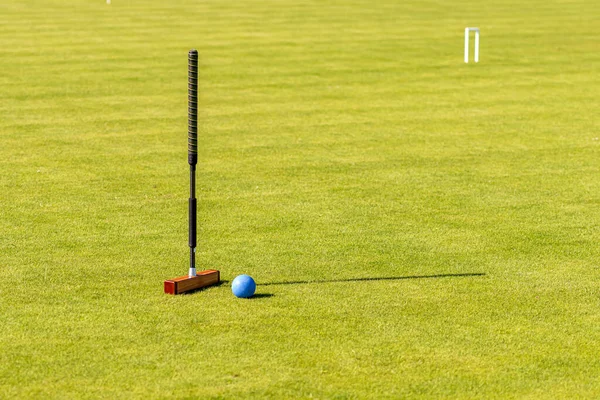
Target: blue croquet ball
243,286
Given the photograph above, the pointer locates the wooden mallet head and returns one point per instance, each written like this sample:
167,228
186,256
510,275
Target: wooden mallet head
187,283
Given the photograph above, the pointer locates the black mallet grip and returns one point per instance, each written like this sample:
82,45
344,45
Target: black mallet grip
193,107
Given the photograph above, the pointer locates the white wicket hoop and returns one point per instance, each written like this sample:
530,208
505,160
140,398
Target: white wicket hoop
467,30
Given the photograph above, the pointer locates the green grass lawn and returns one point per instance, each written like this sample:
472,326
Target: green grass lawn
340,142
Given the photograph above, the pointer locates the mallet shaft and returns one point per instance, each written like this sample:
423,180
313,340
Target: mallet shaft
192,151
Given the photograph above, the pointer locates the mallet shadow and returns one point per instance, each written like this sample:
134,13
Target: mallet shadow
367,279
382,278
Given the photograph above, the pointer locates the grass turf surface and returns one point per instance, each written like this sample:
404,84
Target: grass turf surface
340,142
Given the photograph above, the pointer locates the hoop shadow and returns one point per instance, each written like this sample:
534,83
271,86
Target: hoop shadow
383,278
